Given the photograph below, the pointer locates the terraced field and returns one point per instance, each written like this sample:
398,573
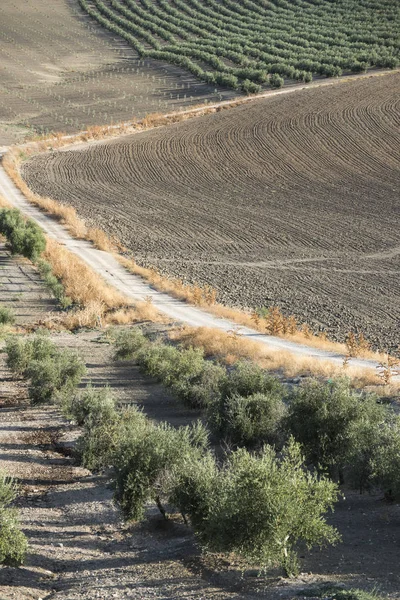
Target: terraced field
291,200
59,71
237,43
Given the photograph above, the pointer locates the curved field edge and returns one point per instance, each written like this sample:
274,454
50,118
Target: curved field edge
215,336
357,122
202,296
238,45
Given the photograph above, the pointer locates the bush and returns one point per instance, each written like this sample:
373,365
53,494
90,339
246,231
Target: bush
55,286
385,461
24,237
105,433
97,405
247,378
203,389
128,342
21,352
145,461
257,506
323,418
7,316
249,87
276,81
54,375
13,544
248,421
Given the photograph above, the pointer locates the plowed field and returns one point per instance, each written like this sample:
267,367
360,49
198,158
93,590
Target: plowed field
292,200
59,71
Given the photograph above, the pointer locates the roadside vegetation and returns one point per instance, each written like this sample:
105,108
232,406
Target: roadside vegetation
287,449
246,45
13,543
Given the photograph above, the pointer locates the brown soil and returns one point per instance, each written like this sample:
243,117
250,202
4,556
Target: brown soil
291,200
60,72
81,550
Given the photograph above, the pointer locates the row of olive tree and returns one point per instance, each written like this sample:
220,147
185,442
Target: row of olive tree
348,434
25,237
259,506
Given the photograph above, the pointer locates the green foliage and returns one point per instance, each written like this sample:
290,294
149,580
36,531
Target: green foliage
22,351
259,506
7,316
328,419
247,378
94,404
191,378
128,342
385,460
13,543
248,421
145,461
330,592
54,376
203,389
243,41
104,433
276,81
24,237
55,286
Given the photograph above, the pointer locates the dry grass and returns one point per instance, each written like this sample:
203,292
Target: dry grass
81,284
204,296
231,347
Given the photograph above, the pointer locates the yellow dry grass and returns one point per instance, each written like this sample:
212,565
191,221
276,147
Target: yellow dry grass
203,296
81,284
231,347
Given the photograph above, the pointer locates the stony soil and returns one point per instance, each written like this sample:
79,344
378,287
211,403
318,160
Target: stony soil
291,200
60,72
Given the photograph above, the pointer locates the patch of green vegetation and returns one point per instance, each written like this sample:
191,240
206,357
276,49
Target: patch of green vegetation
247,44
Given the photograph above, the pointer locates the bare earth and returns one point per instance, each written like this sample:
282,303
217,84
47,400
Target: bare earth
291,200
81,550
60,72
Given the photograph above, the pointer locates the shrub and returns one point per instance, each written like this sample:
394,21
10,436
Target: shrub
248,378
128,342
34,242
55,286
203,389
259,506
21,352
24,237
385,461
249,87
105,433
276,81
54,375
13,544
145,461
98,405
248,421
7,316
323,418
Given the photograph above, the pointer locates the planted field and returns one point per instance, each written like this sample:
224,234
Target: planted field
238,43
291,200
60,72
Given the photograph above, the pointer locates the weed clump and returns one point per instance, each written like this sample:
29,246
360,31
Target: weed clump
13,543
7,316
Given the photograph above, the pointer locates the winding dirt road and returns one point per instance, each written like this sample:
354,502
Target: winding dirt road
136,289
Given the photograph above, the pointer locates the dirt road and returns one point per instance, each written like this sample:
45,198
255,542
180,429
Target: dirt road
136,289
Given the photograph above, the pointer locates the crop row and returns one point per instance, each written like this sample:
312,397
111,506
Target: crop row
239,44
